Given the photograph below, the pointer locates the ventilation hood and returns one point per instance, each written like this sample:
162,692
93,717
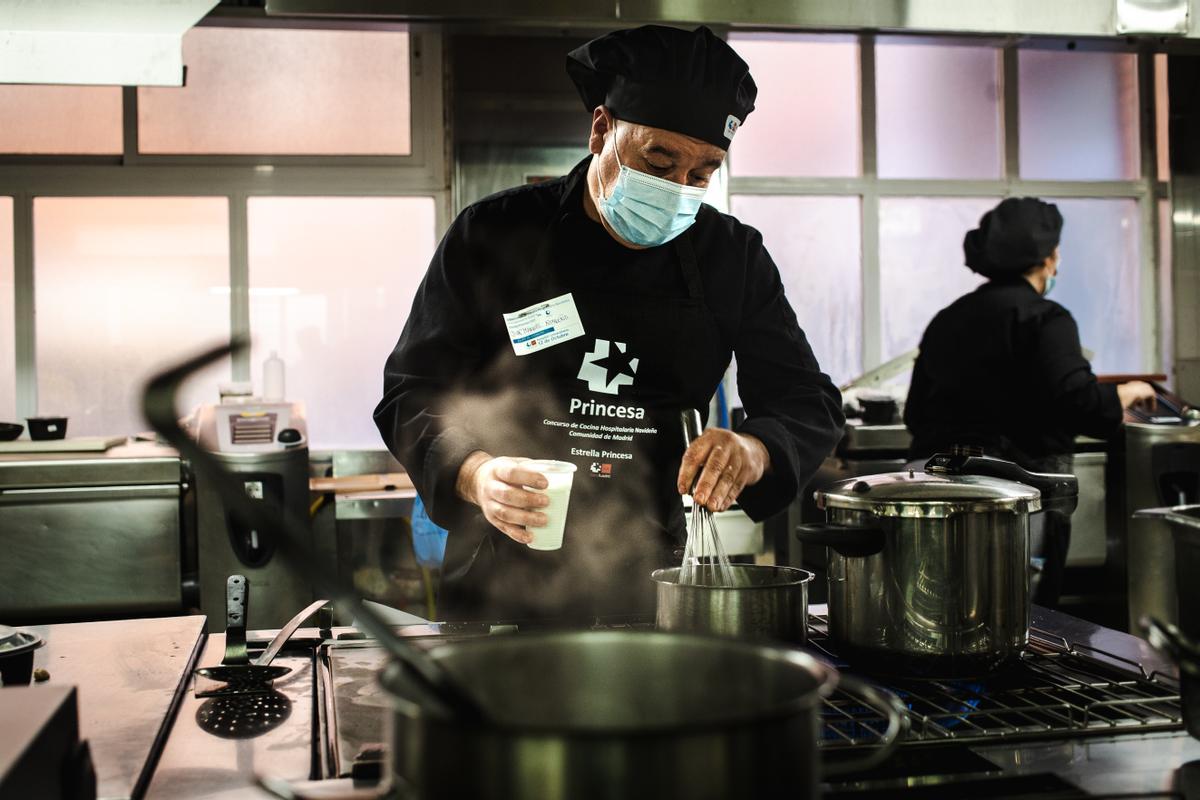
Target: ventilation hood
1091,18
99,42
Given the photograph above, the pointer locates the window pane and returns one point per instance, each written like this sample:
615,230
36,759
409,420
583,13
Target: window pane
124,285
805,121
815,243
8,364
1098,280
60,119
1079,116
921,262
938,111
283,91
331,283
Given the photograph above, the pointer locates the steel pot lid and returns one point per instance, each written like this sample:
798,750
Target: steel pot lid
915,494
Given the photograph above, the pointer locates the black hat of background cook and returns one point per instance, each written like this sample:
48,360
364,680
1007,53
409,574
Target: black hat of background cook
690,82
1016,235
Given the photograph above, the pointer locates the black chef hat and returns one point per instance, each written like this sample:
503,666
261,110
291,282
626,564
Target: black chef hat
1013,237
688,82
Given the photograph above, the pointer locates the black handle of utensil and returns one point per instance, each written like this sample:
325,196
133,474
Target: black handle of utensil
884,702
851,541
237,606
1060,492
440,693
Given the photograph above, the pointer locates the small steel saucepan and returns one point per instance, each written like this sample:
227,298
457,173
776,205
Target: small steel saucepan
768,603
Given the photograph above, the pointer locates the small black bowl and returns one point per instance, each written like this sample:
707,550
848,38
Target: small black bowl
878,412
10,431
47,427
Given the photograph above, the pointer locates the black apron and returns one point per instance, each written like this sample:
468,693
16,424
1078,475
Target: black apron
618,421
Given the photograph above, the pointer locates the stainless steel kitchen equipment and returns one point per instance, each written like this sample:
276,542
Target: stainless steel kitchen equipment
96,533
765,602
929,571
1185,652
252,442
1184,560
1160,467
602,714
1095,705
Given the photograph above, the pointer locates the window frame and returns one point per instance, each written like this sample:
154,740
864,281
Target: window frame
423,173
1147,189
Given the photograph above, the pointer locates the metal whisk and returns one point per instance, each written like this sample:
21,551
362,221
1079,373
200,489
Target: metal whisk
704,560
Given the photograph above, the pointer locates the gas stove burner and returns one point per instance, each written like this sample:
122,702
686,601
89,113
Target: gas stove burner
16,655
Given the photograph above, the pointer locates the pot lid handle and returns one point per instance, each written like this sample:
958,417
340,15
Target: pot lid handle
1060,492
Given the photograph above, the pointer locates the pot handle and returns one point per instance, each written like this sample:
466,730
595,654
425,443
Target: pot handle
1143,513
851,541
886,703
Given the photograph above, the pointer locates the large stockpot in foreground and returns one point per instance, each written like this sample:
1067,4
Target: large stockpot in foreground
929,570
620,714
767,603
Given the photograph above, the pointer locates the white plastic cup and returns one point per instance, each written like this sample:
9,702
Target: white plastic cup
559,477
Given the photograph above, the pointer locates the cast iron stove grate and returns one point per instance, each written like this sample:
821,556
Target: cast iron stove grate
1057,689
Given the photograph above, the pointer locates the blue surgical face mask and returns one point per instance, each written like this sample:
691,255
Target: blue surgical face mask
1053,279
646,210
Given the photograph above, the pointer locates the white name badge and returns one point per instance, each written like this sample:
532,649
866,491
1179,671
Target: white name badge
543,325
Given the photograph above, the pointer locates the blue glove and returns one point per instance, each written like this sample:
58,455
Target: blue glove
429,541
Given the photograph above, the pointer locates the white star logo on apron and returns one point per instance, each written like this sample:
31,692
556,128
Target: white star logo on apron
608,367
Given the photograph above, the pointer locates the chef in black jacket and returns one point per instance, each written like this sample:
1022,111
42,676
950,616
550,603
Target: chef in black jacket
646,294
1002,369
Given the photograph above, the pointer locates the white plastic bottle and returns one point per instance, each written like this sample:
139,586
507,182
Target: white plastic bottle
273,378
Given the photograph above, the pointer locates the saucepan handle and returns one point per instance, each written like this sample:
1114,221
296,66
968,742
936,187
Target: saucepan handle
852,541
1142,513
887,704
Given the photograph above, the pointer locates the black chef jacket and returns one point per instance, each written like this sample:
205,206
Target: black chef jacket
1002,368
454,385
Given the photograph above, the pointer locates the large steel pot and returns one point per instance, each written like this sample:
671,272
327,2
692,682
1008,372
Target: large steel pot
621,714
768,603
1184,522
929,570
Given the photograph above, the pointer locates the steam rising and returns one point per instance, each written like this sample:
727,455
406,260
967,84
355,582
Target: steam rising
615,533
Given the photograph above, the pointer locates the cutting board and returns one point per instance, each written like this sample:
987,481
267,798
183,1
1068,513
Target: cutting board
77,444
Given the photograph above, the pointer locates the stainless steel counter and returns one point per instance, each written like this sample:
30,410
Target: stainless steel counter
129,674
137,463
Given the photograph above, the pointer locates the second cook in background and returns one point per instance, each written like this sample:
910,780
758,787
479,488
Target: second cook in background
1002,368
574,319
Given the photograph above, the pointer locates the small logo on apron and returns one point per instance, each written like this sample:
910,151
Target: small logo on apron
601,470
